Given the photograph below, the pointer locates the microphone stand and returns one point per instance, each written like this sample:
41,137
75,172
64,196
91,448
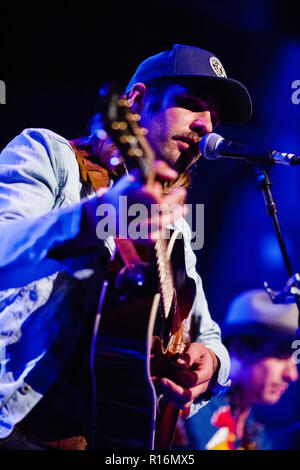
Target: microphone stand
291,291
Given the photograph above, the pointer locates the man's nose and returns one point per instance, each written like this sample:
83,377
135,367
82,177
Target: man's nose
291,371
202,123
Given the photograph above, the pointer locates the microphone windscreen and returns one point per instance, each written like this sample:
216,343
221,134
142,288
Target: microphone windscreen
208,145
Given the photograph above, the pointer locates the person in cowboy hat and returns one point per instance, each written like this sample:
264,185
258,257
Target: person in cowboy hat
259,336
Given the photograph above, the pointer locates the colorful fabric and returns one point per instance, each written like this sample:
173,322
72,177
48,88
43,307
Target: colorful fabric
215,428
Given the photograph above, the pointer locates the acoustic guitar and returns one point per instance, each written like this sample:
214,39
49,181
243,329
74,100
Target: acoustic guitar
146,297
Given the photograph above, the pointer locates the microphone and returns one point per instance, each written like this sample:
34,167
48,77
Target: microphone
213,146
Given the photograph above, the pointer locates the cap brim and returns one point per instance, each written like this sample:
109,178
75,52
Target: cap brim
231,96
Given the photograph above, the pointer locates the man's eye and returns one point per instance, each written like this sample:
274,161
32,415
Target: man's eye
189,103
197,107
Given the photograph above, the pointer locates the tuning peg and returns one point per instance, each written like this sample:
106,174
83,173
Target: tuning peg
119,125
124,102
133,117
135,152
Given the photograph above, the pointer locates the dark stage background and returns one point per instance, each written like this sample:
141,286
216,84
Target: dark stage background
54,57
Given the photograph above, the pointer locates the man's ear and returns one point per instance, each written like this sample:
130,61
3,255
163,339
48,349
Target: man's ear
136,96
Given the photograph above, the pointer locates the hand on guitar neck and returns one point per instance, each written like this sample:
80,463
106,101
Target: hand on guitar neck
171,207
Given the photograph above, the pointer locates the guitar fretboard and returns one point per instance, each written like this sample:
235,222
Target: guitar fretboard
165,275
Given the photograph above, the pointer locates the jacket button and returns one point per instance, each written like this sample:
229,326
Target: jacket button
25,389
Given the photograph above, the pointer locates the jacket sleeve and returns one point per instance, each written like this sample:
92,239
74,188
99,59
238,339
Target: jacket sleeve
31,177
200,325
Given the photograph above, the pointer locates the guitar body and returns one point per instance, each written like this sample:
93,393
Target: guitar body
136,342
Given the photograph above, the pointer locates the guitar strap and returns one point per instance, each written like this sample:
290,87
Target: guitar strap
93,174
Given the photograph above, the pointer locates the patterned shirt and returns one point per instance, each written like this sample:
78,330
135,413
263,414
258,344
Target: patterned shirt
215,428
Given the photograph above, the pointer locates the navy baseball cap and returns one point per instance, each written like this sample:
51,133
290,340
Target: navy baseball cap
182,61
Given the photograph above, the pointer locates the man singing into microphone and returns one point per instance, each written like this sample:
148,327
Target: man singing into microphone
52,263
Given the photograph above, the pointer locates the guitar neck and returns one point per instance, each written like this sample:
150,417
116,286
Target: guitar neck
165,272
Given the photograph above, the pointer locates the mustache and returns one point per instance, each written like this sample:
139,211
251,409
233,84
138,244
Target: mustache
188,137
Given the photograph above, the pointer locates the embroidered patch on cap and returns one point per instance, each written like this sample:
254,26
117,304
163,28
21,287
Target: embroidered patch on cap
217,67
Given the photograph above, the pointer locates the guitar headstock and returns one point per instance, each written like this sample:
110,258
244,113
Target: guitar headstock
122,125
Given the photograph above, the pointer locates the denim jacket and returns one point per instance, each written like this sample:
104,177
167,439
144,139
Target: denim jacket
41,200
